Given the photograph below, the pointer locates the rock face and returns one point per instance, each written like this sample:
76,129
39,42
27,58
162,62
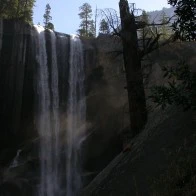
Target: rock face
106,105
18,71
16,83
132,172
147,156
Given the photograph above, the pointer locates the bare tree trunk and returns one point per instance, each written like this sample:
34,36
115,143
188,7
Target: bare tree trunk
132,62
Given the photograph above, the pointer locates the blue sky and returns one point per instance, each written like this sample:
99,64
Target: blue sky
65,12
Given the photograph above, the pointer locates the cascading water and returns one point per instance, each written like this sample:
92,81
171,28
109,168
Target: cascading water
48,120
55,110
76,117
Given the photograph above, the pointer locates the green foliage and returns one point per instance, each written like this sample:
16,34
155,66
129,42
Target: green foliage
104,27
185,25
87,27
92,30
179,89
48,18
50,26
17,9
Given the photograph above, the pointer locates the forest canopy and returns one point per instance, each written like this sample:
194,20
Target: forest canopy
17,9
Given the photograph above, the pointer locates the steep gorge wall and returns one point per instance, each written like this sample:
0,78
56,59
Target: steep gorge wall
16,82
106,105
105,95
151,153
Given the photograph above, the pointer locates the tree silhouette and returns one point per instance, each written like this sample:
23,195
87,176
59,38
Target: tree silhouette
87,27
48,18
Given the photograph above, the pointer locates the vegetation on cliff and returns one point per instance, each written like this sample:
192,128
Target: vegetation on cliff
179,90
17,9
48,18
87,27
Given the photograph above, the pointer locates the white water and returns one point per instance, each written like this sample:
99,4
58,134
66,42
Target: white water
55,110
76,117
48,120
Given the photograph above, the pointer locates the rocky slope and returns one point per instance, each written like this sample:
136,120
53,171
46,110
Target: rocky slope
132,172
151,153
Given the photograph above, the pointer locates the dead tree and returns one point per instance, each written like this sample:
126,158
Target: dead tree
126,28
132,63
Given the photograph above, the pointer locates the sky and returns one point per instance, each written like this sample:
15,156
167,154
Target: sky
65,12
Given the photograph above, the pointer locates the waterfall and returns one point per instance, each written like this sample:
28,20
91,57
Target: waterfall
55,110
48,120
76,117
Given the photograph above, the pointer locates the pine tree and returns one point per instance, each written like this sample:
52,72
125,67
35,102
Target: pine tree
92,30
25,10
48,18
17,9
104,27
87,27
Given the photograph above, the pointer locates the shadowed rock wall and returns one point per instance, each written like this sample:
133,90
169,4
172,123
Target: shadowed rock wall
106,99
16,81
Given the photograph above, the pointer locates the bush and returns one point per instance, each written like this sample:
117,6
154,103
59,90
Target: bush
179,90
